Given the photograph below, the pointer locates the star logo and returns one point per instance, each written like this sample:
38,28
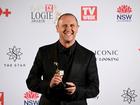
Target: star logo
129,95
14,53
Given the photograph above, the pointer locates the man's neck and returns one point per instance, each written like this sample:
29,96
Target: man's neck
67,44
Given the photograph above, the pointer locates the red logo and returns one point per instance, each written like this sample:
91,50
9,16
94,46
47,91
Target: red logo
89,13
31,95
49,8
5,12
124,9
1,98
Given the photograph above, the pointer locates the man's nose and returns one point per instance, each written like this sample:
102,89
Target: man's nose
68,27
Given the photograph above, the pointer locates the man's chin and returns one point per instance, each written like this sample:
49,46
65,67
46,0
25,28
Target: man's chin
69,41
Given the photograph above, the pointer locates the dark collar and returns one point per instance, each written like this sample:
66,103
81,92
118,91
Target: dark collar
62,49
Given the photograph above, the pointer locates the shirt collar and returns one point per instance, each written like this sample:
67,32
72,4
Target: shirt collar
62,49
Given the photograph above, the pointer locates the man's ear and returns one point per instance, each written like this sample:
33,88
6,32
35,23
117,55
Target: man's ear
78,26
57,28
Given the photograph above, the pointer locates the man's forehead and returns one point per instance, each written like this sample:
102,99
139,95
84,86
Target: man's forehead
67,19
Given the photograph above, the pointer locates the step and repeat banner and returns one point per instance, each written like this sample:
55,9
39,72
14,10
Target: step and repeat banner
111,29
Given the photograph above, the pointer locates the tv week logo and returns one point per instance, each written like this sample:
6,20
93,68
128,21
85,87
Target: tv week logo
31,98
88,13
1,98
49,7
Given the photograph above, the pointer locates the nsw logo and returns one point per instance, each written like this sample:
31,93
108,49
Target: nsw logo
31,98
6,12
124,13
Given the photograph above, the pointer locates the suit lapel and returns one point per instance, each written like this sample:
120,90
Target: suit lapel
76,63
53,52
52,57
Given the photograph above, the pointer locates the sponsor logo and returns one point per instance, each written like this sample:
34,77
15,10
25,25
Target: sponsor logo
14,54
124,13
1,98
129,95
49,8
107,55
88,13
31,98
47,13
5,12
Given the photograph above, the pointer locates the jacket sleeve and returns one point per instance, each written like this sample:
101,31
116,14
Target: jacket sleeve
34,81
92,82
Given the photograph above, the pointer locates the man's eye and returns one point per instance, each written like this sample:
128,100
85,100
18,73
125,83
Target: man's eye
64,26
72,25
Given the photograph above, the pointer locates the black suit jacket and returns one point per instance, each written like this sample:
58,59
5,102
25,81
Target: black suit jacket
83,73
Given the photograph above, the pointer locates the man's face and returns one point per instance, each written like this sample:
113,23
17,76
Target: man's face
67,28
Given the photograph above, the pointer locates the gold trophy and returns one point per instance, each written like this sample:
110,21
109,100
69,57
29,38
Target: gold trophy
61,73
58,71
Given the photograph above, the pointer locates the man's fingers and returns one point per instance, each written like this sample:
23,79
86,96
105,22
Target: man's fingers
70,88
55,80
70,84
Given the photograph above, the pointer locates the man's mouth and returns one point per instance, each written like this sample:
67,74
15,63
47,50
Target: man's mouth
68,33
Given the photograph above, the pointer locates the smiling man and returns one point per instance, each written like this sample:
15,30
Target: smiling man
67,27
80,78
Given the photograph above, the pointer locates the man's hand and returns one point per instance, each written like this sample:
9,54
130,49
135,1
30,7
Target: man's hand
55,80
71,88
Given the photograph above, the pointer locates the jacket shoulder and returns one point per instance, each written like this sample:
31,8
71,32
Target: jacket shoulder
47,47
85,50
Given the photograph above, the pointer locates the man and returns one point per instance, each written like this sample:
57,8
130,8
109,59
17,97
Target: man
80,80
